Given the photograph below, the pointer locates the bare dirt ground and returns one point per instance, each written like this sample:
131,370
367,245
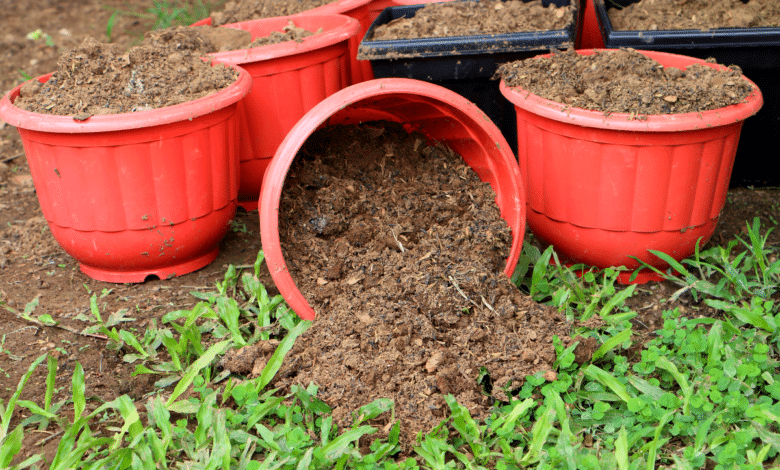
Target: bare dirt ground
32,266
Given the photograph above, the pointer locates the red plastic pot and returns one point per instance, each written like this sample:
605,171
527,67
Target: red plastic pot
289,79
603,188
441,114
141,194
358,9
591,37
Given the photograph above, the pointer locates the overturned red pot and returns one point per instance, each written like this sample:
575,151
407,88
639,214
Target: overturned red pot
289,78
606,189
148,193
441,114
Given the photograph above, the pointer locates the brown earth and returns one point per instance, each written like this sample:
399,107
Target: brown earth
400,249
245,10
97,78
33,266
625,81
470,18
695,14
288,33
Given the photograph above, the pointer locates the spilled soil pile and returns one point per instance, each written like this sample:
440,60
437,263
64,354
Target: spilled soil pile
473,18
400,249
625,81
695,14
97,78
245,10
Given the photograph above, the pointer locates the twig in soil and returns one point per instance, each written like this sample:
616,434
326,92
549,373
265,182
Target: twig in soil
487,304
24,328
12,157
38,323
457,287
47,439
396,240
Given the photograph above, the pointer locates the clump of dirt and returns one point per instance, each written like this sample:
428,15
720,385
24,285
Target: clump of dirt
474,18
245,10
400,249
625,81
97,78
695,14
288,33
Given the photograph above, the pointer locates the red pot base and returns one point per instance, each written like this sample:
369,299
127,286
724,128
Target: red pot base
605,248
167,272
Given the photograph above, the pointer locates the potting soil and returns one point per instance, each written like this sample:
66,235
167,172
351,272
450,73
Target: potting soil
471,18
652,15
288,33
625,81
203,40
400,249
97,78
245,10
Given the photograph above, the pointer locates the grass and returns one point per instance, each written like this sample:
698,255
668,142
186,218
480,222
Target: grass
166,14
703,392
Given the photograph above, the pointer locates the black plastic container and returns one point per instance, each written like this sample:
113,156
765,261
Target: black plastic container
464,64
755,50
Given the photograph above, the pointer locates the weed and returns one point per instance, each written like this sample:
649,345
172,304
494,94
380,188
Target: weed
39,34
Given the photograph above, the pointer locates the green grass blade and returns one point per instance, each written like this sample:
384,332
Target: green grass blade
621,449
79,400
671,262
373,409
685,388
5,418
270,369
11,446
195,368
341,444
611,343
608,381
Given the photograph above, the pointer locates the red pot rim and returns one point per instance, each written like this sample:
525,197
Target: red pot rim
117,122
359,103
336,28
620,121
339,6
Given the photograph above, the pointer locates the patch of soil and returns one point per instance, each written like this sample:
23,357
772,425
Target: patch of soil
695,14
204,40
246,10
288,33
97,78
625,81
475,18
400,249
198,41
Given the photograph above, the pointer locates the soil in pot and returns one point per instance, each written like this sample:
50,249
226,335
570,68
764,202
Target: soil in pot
472,18
97,79
400,249
695,14
203,40
625,81
235,12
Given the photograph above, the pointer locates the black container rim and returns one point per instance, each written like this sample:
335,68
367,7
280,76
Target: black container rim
684,38
462,45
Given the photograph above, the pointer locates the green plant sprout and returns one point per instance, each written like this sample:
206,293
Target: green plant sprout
39,34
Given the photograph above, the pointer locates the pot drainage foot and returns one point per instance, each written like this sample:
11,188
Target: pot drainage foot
248,206
120,276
